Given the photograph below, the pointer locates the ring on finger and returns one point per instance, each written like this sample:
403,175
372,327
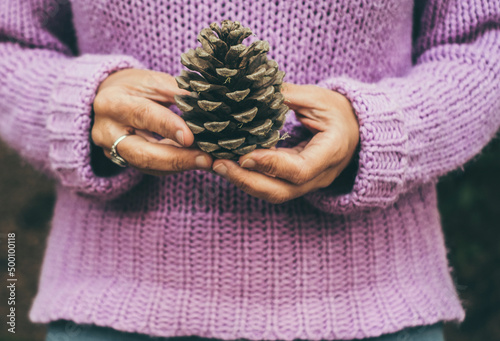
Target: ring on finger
115,157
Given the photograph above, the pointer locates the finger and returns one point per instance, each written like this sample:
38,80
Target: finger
150,137
308,96
263,187
160,87
293,150
296,166
314,124
157,86
169,142
144,170
161,157
300,96
256,184
148,115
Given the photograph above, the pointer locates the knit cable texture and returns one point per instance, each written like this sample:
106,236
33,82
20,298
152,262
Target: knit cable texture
191,254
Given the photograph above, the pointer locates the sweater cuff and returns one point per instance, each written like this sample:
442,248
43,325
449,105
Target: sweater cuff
69,126
382,158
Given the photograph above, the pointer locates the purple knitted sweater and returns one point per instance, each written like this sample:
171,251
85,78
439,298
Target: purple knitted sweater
190,254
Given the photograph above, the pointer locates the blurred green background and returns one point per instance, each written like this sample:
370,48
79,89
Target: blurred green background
469,203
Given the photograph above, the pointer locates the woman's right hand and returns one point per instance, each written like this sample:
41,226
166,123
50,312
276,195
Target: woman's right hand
133,101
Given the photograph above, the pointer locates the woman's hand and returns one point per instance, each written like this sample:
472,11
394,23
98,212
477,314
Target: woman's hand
133,101
281,174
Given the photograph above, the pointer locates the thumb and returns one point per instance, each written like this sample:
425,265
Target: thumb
299,97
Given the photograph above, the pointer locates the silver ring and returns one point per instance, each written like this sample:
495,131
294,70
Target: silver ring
115,157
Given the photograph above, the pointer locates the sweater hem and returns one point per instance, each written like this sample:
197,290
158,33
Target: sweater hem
246,334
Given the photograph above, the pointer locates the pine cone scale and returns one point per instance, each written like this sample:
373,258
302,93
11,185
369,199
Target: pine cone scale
235,105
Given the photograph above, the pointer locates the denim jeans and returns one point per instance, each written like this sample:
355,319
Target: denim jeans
69,331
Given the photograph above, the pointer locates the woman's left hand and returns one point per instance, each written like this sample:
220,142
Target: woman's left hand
281,174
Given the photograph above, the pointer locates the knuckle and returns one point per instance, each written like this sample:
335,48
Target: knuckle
297,179
340,150
166,128
141,159
154,80
140,115
241,184
106,100
100,103
324,183
301,175
177,164
343,148
96,136
267,164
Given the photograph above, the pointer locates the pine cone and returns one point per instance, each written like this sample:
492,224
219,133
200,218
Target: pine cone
235,105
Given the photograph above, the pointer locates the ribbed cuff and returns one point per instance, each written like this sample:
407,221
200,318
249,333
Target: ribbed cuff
69,126
382,152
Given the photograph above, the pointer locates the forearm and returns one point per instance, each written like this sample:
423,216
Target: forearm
46,101
416,128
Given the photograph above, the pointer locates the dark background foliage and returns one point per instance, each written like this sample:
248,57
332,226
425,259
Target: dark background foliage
469,203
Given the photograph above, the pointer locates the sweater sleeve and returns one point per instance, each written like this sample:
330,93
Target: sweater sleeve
418,127
47,92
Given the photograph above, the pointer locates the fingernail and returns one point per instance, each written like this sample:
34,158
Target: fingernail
248,163
201,161
220,169
179,135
